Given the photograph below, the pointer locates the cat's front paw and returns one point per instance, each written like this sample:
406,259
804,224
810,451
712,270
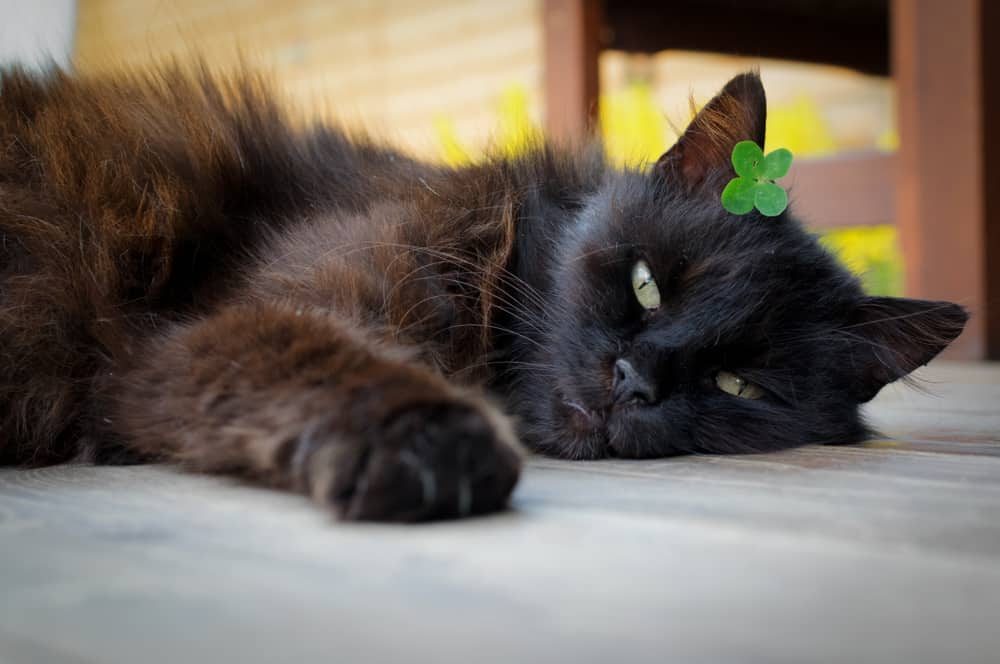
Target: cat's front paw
431,461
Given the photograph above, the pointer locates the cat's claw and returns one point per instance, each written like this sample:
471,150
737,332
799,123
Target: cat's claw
434,462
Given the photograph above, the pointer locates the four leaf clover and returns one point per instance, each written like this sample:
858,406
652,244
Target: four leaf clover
754,185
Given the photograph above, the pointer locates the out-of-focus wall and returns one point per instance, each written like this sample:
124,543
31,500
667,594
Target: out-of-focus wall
398,68
36,33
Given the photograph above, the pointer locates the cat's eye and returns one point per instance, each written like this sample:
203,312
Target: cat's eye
730,383
644,286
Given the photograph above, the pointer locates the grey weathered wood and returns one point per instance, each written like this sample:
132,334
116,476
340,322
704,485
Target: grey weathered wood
887,552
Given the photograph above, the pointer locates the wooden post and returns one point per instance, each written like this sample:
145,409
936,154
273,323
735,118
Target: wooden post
990,35
947,189
572,43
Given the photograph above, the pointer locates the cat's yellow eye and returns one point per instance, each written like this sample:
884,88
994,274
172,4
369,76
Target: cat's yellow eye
730,383
646,290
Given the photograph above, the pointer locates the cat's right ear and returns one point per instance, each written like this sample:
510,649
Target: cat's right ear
737,113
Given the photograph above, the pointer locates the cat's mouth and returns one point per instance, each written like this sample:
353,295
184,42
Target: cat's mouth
587,429
595,430
584,418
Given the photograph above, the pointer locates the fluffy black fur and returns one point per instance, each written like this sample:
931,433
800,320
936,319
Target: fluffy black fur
749,294
185,275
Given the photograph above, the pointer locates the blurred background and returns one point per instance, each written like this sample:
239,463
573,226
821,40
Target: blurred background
882,101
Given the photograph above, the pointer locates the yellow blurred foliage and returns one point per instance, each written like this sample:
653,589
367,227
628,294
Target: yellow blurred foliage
515,131
633,128
888,141
872,252
800,127
452,152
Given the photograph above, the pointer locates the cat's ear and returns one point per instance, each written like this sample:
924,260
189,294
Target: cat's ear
738,113
891,336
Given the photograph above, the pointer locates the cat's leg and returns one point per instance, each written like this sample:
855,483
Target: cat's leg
299,400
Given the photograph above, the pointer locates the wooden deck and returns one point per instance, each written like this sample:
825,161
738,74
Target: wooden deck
888,552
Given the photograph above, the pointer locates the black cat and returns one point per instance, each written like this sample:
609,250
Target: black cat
185,275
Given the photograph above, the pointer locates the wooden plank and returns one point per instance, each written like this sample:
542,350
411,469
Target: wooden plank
571,45
942,191
850,189
887,552
989,25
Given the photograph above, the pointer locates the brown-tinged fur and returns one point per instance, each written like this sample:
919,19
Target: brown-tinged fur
129,210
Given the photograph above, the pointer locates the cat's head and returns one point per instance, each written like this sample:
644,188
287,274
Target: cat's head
679,327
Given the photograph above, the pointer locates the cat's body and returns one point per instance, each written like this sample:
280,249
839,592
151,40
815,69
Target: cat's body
186,276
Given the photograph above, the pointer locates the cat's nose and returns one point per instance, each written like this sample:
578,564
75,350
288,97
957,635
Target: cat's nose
629,385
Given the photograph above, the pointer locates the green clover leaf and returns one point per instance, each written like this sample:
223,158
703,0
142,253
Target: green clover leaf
770,199
777,163
738,196
754,185
747,159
